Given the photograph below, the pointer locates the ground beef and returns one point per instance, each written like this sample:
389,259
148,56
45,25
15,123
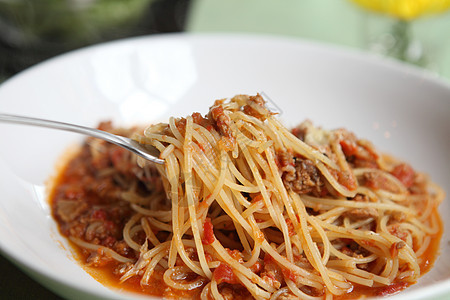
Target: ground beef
303,178
87,201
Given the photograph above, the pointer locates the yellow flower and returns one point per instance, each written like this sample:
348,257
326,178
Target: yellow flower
405,9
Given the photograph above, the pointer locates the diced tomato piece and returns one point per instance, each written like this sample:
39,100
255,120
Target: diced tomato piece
256,268
348,180
287,273
393,250
208,233
405,173
349,147
257,198
224,273
345,178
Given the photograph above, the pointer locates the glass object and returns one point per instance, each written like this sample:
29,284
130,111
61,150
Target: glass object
390,30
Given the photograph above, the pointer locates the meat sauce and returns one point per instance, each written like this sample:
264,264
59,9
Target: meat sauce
427,260
86,205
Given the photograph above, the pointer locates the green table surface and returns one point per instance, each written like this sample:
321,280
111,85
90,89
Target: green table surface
335,22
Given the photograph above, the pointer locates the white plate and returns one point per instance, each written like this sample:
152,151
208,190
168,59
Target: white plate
402,110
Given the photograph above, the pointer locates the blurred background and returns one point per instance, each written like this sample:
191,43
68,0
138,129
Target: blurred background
35,30
416,32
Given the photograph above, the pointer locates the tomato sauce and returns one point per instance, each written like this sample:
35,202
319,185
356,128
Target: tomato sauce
80,209
426,262
77,199
77,175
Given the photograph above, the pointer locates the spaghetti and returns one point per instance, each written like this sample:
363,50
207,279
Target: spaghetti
245,208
